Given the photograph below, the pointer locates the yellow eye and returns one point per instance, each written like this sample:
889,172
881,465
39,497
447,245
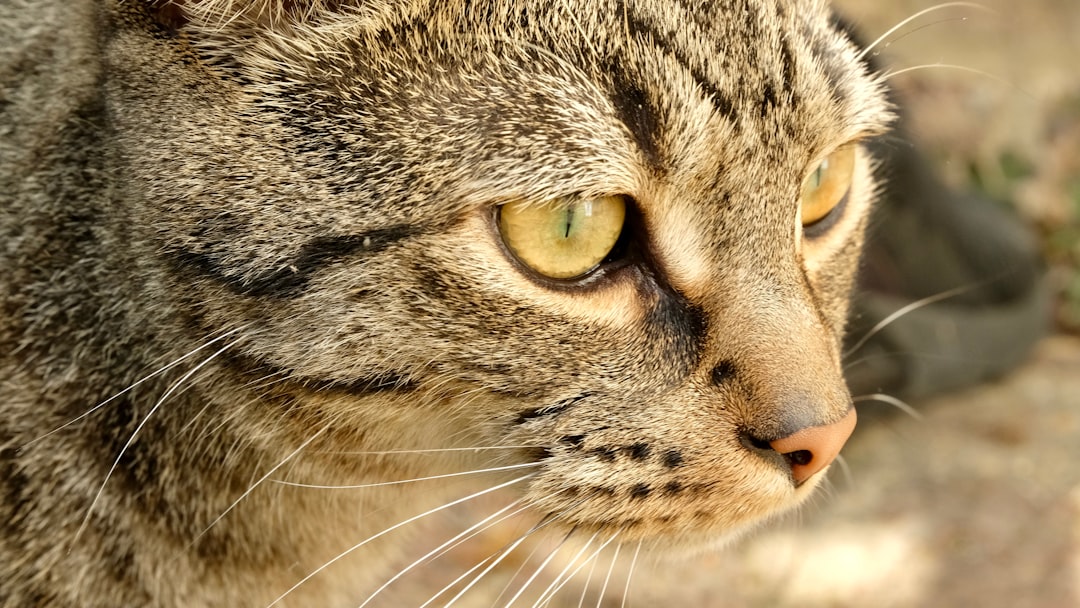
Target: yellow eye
826,187
565,238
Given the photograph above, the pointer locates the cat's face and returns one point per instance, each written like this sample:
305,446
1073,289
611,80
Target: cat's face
619,235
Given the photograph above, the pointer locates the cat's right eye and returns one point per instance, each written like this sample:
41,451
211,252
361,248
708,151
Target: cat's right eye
825,188
564,238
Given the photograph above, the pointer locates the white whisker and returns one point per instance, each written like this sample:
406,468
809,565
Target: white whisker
555,585
142,423
465,574
259,482
925,11
403,481
845,470
917,304
429,451
611,568
589,560
539,569
469,532
630,574
948,66
145,378
588,580
514,577
501,556
341,555
893,401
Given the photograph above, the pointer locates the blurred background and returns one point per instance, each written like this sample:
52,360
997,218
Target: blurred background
975,499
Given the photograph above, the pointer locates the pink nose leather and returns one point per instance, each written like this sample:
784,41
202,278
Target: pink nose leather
812,449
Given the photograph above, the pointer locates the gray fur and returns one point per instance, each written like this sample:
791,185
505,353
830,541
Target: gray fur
305,191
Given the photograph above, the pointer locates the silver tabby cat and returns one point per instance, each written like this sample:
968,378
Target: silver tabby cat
249,246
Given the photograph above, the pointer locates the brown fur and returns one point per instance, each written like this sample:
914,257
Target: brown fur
305,191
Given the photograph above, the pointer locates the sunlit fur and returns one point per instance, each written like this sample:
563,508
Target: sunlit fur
260,235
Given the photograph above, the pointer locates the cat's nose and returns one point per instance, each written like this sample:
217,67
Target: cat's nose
811,449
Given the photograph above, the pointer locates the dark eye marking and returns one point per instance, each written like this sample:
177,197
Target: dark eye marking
290,278
550,410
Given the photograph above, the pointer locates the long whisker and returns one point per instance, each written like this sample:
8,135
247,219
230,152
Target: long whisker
131,439
539,569
145,378
514,577
438,551
465,574
948,66
630,574
920,28
893,401
925,11
501,555
402,481
845,470
259,482
917,304
429,451
611,568
395,527
588,580
555,585
589,560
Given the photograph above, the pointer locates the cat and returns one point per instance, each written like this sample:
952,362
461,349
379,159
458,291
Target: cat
597,252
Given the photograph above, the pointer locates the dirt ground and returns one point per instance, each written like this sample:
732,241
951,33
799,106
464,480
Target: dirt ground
976,503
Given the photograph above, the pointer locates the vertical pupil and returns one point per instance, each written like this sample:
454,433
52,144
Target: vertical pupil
819,175
569,220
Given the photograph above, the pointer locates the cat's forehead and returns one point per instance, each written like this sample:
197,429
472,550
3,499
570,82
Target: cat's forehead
733,50
508,98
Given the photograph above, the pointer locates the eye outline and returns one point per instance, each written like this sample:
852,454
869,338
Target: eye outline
825,223
621,257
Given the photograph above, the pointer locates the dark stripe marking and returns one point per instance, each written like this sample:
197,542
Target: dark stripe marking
723,372
290,279
637,112
605,454
638,451
381,382
673,459
549,410
680,324
667,44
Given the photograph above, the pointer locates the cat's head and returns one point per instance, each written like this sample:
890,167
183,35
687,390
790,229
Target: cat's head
619,234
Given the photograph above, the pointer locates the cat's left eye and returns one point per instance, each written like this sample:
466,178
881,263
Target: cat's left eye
825,188
565,238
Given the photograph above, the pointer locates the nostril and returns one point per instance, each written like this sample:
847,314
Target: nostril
809,450
799,457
